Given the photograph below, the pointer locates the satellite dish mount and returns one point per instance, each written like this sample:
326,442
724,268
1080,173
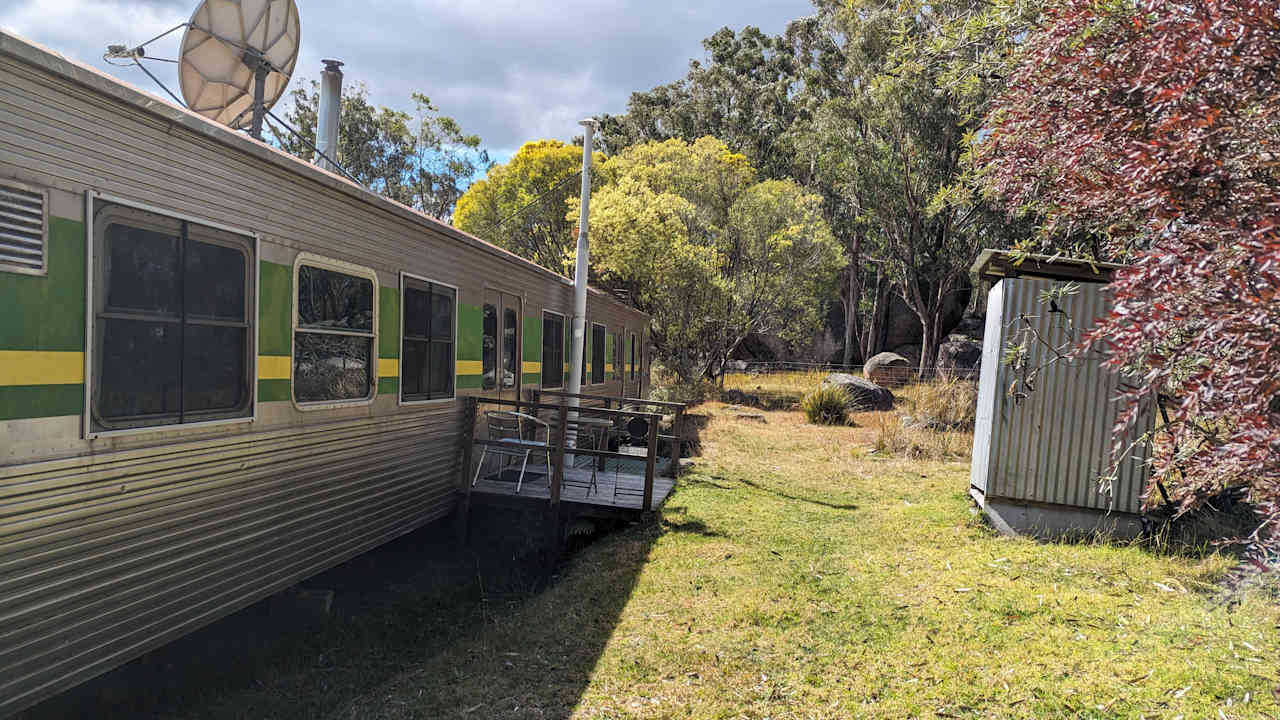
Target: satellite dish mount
254,60
236,60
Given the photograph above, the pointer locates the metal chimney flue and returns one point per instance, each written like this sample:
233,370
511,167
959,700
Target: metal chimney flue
330,108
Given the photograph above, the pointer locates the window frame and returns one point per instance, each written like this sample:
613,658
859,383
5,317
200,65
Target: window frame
632,356
253,275
346,268
603,355
457,293
619,355
560,371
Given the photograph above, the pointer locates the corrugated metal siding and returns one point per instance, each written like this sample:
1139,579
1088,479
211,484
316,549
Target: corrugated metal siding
103,558
1053,445
118,545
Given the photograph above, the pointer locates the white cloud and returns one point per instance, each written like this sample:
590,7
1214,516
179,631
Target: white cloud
509,71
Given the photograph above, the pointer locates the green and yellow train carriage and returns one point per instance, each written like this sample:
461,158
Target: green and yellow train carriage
223,370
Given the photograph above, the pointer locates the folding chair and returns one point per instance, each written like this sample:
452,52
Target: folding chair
507,427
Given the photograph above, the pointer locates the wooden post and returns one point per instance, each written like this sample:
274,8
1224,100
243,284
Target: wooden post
557,477
468,448
651,462
677,440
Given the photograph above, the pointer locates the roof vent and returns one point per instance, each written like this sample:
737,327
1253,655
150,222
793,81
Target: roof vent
23,225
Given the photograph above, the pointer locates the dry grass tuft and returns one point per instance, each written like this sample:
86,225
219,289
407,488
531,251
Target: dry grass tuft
825,405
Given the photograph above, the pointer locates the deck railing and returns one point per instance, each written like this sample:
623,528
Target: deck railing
560,427
676,438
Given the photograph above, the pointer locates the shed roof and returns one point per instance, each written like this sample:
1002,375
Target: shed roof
994,265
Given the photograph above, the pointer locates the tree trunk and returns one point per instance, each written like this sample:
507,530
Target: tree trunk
931,327
872,337
849,298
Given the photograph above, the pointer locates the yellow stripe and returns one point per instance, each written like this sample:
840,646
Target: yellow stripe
388,367
274,367
470,367
532,367
39,367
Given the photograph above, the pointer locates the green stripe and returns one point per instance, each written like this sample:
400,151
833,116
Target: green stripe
389,323
273,390
531,379
532,338
470,328
275,305
47,312
388,386
18,402
469,382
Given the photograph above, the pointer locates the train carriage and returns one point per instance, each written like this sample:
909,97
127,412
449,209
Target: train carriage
223,370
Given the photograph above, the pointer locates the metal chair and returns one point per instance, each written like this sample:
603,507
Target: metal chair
508,428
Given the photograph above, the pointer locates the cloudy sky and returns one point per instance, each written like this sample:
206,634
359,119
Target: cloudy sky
509,71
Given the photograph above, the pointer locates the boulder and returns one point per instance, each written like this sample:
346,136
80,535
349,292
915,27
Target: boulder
864,395
888,369
959,356
971,325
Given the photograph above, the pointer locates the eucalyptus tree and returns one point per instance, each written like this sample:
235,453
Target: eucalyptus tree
709,252
521,205
892,111
422,159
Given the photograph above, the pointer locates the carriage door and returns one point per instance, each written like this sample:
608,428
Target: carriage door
502,344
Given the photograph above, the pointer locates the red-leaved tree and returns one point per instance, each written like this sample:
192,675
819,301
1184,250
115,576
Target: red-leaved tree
1148,131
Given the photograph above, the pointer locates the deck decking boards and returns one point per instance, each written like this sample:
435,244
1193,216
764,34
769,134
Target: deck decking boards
614,489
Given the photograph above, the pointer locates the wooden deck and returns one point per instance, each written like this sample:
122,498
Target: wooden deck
590,479
619,486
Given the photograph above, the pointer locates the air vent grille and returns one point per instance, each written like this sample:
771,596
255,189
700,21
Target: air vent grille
23,220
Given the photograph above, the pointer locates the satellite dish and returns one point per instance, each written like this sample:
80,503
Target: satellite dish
236,60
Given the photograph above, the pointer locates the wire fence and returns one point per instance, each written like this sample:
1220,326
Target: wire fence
773,367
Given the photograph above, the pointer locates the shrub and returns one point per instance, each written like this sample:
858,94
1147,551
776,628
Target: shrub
826,406
1150,129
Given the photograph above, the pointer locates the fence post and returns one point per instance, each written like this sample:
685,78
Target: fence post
557,477
677,441
651,461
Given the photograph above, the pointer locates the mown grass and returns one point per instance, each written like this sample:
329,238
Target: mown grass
797,574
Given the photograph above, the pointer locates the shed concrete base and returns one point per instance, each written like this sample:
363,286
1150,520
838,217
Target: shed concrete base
1014,518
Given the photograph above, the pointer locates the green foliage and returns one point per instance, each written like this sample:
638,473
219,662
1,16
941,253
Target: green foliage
900,98
521,205
423,160
826,405
742,95
711,254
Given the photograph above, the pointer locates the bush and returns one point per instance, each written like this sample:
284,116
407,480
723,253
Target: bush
826,406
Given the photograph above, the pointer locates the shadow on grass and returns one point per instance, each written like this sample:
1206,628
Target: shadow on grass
408,605
690,527
788,496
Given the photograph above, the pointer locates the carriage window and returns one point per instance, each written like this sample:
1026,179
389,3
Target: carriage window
172,340
597,353
426,356
633,356
510,348
617,356
552,350
333,339
489,348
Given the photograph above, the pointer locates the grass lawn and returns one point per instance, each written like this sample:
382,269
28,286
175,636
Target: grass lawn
796,574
